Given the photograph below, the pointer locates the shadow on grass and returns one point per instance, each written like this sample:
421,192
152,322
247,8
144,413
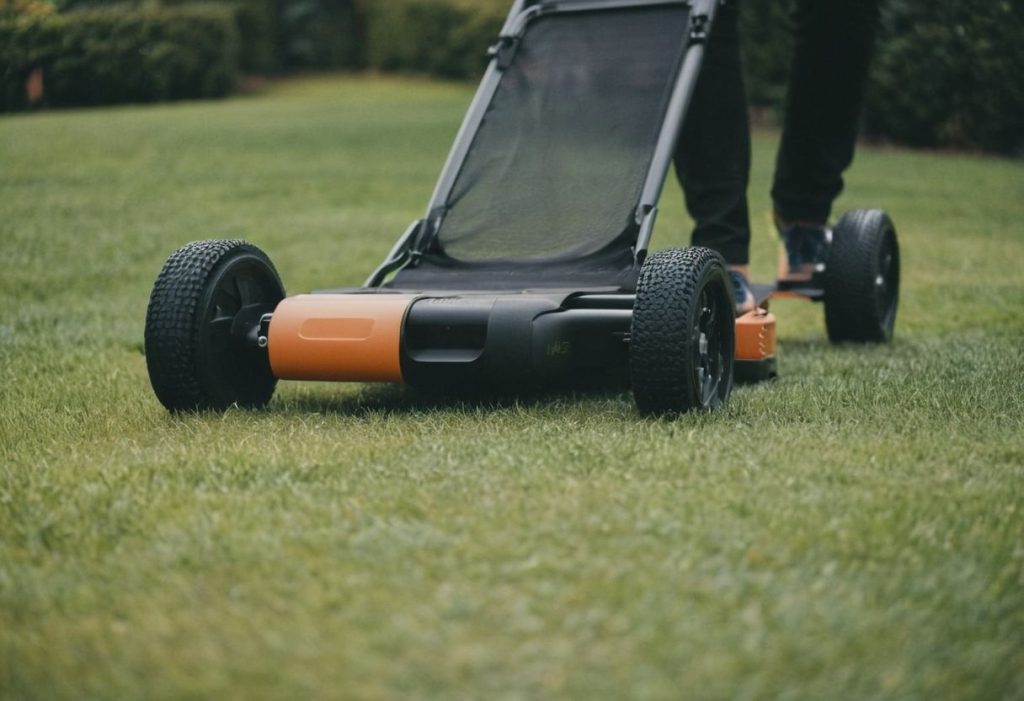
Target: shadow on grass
401,399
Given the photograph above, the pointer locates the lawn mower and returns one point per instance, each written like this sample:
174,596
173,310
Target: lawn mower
531,266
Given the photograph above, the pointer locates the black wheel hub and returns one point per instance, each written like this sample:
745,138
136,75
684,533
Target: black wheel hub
887,282
712,361
238,296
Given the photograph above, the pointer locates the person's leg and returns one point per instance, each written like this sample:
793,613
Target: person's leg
713,156
833,44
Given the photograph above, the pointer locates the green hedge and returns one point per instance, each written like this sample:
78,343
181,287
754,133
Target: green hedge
108,56
320,33
950,73
767,49
280,35
256,20
447,38
257,29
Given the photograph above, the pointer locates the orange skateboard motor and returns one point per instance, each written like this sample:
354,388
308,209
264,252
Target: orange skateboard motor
755,346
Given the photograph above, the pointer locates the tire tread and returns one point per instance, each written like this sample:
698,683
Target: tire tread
171,335
851,313
668,287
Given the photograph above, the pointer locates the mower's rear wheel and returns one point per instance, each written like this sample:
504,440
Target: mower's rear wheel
683,336
862,278
204,309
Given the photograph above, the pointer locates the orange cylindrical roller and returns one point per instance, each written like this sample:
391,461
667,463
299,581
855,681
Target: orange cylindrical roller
338,337
755,335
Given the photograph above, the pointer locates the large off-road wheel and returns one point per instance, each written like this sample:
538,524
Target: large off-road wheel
205,308
862,278
683,336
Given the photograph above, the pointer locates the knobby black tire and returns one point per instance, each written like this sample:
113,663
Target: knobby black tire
179,358
862,277
664,364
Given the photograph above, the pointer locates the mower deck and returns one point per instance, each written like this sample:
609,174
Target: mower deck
473,339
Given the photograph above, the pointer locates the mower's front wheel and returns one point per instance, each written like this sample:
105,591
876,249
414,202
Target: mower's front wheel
862,278
205,306
683,335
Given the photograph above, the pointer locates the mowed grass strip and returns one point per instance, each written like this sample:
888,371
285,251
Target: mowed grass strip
854,530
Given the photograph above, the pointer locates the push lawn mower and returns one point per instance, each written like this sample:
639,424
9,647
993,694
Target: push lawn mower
531,264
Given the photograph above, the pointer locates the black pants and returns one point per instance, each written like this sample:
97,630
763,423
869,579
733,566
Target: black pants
833,43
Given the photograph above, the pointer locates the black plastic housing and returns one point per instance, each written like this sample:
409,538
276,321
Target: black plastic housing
509,342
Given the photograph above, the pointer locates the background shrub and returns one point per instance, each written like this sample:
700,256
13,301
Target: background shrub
767,50
257,30
275,35
320,33
282,35
945,74
950,73
449,39
17,8
110,56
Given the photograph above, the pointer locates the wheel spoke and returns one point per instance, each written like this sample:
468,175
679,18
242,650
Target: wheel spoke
884,268
716,362
226,301
221,324
230,286
713,337
708,356
708,385
219,330
248,292
717,379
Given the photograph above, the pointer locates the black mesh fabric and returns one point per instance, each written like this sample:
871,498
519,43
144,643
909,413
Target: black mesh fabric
554,174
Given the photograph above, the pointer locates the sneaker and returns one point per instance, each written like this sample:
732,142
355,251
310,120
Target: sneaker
806,247
745,300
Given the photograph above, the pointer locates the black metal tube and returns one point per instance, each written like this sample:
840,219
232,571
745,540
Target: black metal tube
675,114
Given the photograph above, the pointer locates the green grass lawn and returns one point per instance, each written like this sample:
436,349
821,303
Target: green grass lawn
855,530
